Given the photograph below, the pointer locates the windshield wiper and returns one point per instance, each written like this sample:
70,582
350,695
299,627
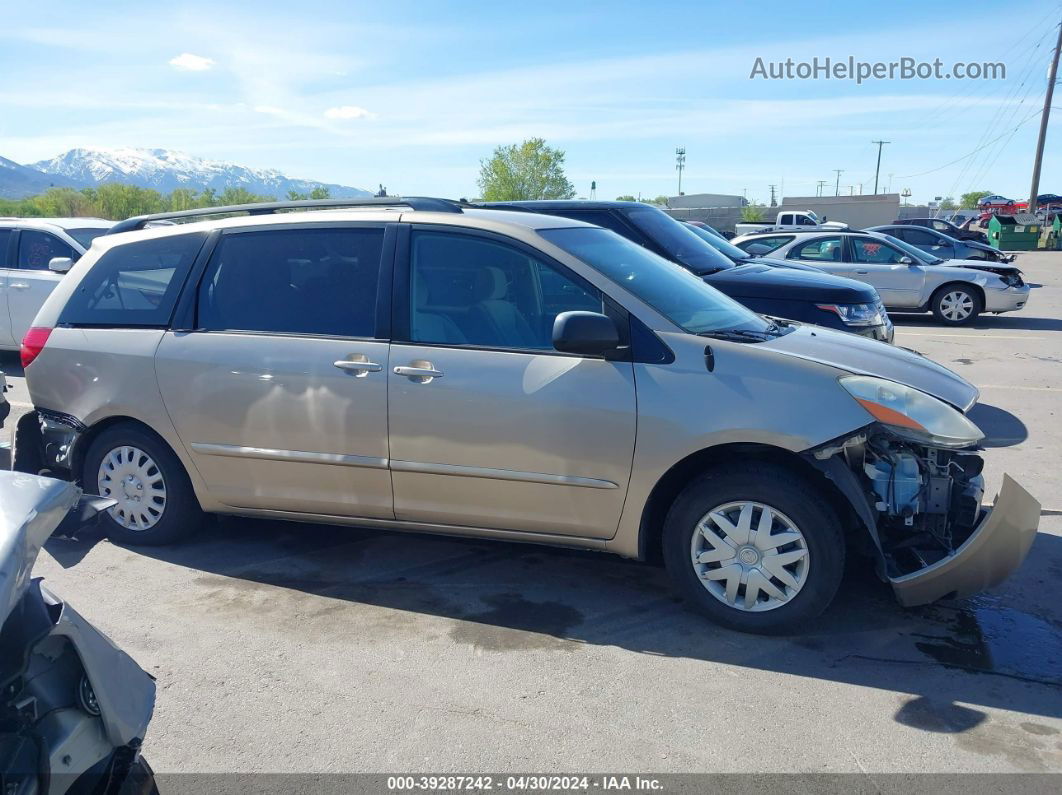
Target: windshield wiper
738,334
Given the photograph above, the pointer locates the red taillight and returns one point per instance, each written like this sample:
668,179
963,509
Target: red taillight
33,343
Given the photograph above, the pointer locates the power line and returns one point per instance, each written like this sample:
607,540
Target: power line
975,151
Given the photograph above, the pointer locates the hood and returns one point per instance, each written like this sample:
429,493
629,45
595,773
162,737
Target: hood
864,356
792,264
762,281
1000,268
31,508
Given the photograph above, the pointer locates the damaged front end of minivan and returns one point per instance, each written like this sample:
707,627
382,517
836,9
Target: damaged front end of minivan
913,479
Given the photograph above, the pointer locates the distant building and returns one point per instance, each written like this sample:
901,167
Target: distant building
856,211
700,200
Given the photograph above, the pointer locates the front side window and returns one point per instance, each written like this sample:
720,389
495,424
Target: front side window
135,284
293,281
919,237
874,252
674,292
36,249
821,249
467,290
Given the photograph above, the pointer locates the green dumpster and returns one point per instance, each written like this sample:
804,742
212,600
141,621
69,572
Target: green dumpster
1019,232
1056,231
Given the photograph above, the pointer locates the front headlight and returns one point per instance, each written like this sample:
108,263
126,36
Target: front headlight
855,314
912,414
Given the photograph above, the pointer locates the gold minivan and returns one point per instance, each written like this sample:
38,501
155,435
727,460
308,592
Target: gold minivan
423,365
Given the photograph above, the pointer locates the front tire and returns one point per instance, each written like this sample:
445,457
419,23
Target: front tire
955,304
156,504
754,549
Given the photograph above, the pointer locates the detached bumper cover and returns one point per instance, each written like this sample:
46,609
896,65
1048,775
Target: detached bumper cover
993,551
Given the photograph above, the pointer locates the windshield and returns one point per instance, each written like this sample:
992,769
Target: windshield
917,253
678,241
86,236
720,244
672,291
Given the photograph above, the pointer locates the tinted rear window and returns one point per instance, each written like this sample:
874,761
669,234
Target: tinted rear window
134,285
87,235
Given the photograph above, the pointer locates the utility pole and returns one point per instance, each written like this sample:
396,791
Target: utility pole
1052,74
837,184
878,169
773,202
888,188
680,163
818,188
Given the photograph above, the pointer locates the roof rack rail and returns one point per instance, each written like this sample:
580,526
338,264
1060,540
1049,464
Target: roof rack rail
422,203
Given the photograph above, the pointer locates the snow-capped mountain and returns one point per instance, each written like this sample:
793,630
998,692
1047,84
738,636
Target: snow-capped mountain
18,181
165,170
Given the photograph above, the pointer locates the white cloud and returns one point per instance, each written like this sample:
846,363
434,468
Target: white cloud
191,63
348,112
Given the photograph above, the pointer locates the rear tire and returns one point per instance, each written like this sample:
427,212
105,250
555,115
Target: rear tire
156,503
956,304
764,575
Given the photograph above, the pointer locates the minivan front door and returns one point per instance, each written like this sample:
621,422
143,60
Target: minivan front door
490,426
279,393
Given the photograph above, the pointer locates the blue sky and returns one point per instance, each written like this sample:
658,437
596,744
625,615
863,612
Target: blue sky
414,94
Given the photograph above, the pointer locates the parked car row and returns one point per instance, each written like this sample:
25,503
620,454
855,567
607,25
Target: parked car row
907,278
432,366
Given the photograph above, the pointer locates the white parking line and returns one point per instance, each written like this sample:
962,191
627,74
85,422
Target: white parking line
967,336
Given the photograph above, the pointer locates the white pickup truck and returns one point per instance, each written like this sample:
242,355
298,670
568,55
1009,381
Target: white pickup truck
788,220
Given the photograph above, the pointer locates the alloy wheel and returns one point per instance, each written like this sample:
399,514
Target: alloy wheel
130,476
749,556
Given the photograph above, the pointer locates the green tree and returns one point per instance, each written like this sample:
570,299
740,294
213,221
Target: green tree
182,199
626,197
320,192
752,213
968,201
530,170
948,203
295,196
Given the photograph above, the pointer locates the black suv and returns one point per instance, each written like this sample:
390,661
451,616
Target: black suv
807,296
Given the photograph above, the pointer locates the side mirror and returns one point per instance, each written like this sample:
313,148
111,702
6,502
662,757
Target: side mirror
585,333
906,261
60,264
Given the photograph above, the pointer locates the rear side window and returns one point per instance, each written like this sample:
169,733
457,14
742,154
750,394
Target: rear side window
135,284
36,249
764,245
294,281
821,249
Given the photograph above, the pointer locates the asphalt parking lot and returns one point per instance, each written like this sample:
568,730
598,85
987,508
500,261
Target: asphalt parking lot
287,647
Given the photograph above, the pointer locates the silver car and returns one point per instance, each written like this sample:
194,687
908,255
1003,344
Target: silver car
907,278
34,254
431,367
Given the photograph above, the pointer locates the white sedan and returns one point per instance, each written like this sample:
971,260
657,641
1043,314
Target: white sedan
907,278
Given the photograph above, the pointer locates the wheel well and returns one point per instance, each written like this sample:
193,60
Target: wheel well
86,439
681,474
975,287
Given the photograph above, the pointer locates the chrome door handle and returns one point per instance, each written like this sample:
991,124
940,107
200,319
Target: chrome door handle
359,365
421,372
18,285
